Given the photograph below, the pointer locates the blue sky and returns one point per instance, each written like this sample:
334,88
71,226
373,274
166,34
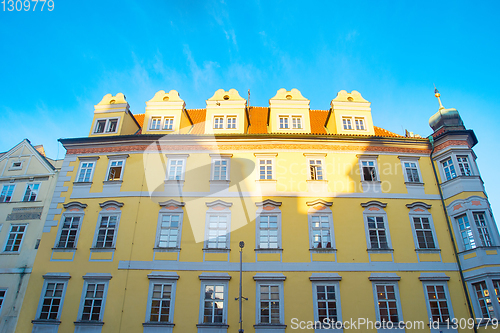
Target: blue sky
54,66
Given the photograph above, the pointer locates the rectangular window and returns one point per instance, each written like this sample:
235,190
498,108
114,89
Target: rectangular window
360,124
463,165
6,194
161,302
175,169
31,192
112,125
424,233
213,304
496,285
16,165
220,170
15,237
377,232
169,231
2,298
100,126
52,300
85,174
466,232
369,170
296,122
155,123
69,232
347,123
320,225
326,303
387,303
217,232
449,169
218,122
482,229
316,169
283,122
412,172
268,232
483,297
107,231
266,169
231,122
438,303
168,123
115,170
93,301
269,309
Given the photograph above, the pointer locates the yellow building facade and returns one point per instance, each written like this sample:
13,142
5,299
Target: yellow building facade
342,223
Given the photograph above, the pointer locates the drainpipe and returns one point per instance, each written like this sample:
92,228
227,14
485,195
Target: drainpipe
471,311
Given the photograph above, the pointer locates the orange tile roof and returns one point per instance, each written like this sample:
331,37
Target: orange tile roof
382,132
139,118
198,118
318,119
258,119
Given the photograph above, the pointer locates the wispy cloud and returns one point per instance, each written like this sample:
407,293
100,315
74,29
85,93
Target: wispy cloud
221,16
200,75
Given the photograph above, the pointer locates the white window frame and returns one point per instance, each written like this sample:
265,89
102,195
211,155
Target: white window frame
374,160
327,280
289,118
93,278
112,159
73,209
106,125
163,278
209,279
275,211
23,233
348,122
225,123
220,157
164,211
437,282
313,158
420,210
470,234
2,298
397,300
36,191
109,209
176,157
480,228
84,160
269,280
218,208
449,166
13,167
489,279
376,209
363,123
52,278
4,195
265,157
462,164
162,122
415,160
483,299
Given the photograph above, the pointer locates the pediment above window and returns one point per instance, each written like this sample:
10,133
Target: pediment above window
268,204
219,205
75,206
111,205
172,204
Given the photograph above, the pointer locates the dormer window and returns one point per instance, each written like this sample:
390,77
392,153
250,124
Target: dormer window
295,121
228,121
156,123
347,122
106,126
169,123
359,123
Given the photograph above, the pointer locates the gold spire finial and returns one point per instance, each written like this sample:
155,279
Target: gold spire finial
437,94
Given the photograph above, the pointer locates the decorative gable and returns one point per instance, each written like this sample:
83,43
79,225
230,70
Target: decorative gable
166,114
226,113
289,112
112,116
350,113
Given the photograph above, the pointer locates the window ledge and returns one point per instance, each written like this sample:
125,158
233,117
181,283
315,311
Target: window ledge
480,248
216,250
158,324
88,323
322,250
317,181
46,321
167,249
64,249
219,181
379,250
268,250
371,181
265,181
103,249
174,181
10,252
427,250
414,184
270,326
82,183
213,325
111,182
